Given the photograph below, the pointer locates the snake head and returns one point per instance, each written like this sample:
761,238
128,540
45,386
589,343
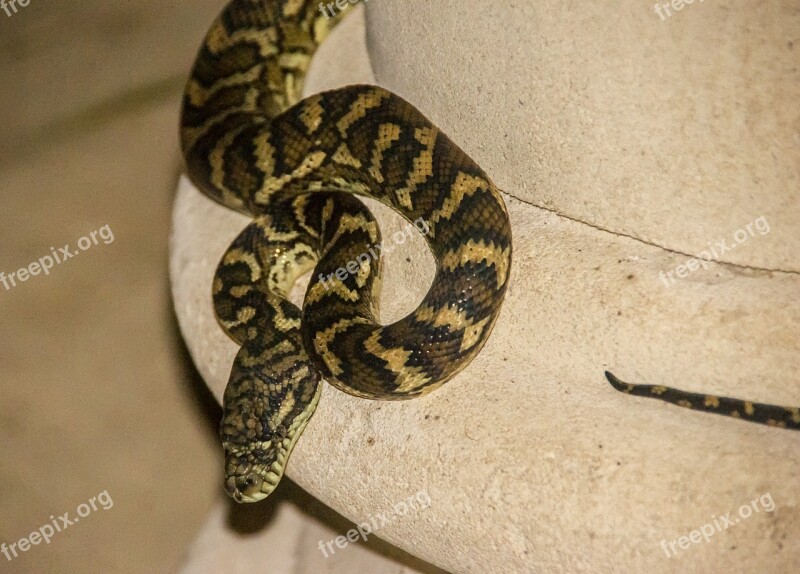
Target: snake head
263,418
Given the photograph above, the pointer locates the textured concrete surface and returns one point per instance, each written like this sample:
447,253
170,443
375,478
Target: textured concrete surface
531,461
677,132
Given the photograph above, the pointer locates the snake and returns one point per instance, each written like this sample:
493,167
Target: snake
297,166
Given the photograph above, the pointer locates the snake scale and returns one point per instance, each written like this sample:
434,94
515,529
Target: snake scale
295,166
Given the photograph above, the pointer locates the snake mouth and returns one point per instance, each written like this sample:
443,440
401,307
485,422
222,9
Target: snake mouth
253,487
252,482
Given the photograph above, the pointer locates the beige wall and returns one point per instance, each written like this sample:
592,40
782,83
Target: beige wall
96,391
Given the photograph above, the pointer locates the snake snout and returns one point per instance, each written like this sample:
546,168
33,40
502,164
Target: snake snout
230,488
243,482
245,488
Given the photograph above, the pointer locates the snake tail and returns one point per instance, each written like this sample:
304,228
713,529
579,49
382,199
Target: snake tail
761,413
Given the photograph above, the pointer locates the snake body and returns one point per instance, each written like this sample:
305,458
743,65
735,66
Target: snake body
295,167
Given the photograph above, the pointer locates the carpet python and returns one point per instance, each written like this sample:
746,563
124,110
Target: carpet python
295,166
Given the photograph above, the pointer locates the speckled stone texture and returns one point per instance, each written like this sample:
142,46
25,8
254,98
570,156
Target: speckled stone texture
625,144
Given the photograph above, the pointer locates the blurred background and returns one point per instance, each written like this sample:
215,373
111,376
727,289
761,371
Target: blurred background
96,391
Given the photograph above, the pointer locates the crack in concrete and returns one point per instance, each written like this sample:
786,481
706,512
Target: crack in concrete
646,242
132,100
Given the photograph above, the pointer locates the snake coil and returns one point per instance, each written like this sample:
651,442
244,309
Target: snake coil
295,167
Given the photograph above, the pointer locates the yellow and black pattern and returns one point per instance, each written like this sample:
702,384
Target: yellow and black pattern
296,168
772,415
